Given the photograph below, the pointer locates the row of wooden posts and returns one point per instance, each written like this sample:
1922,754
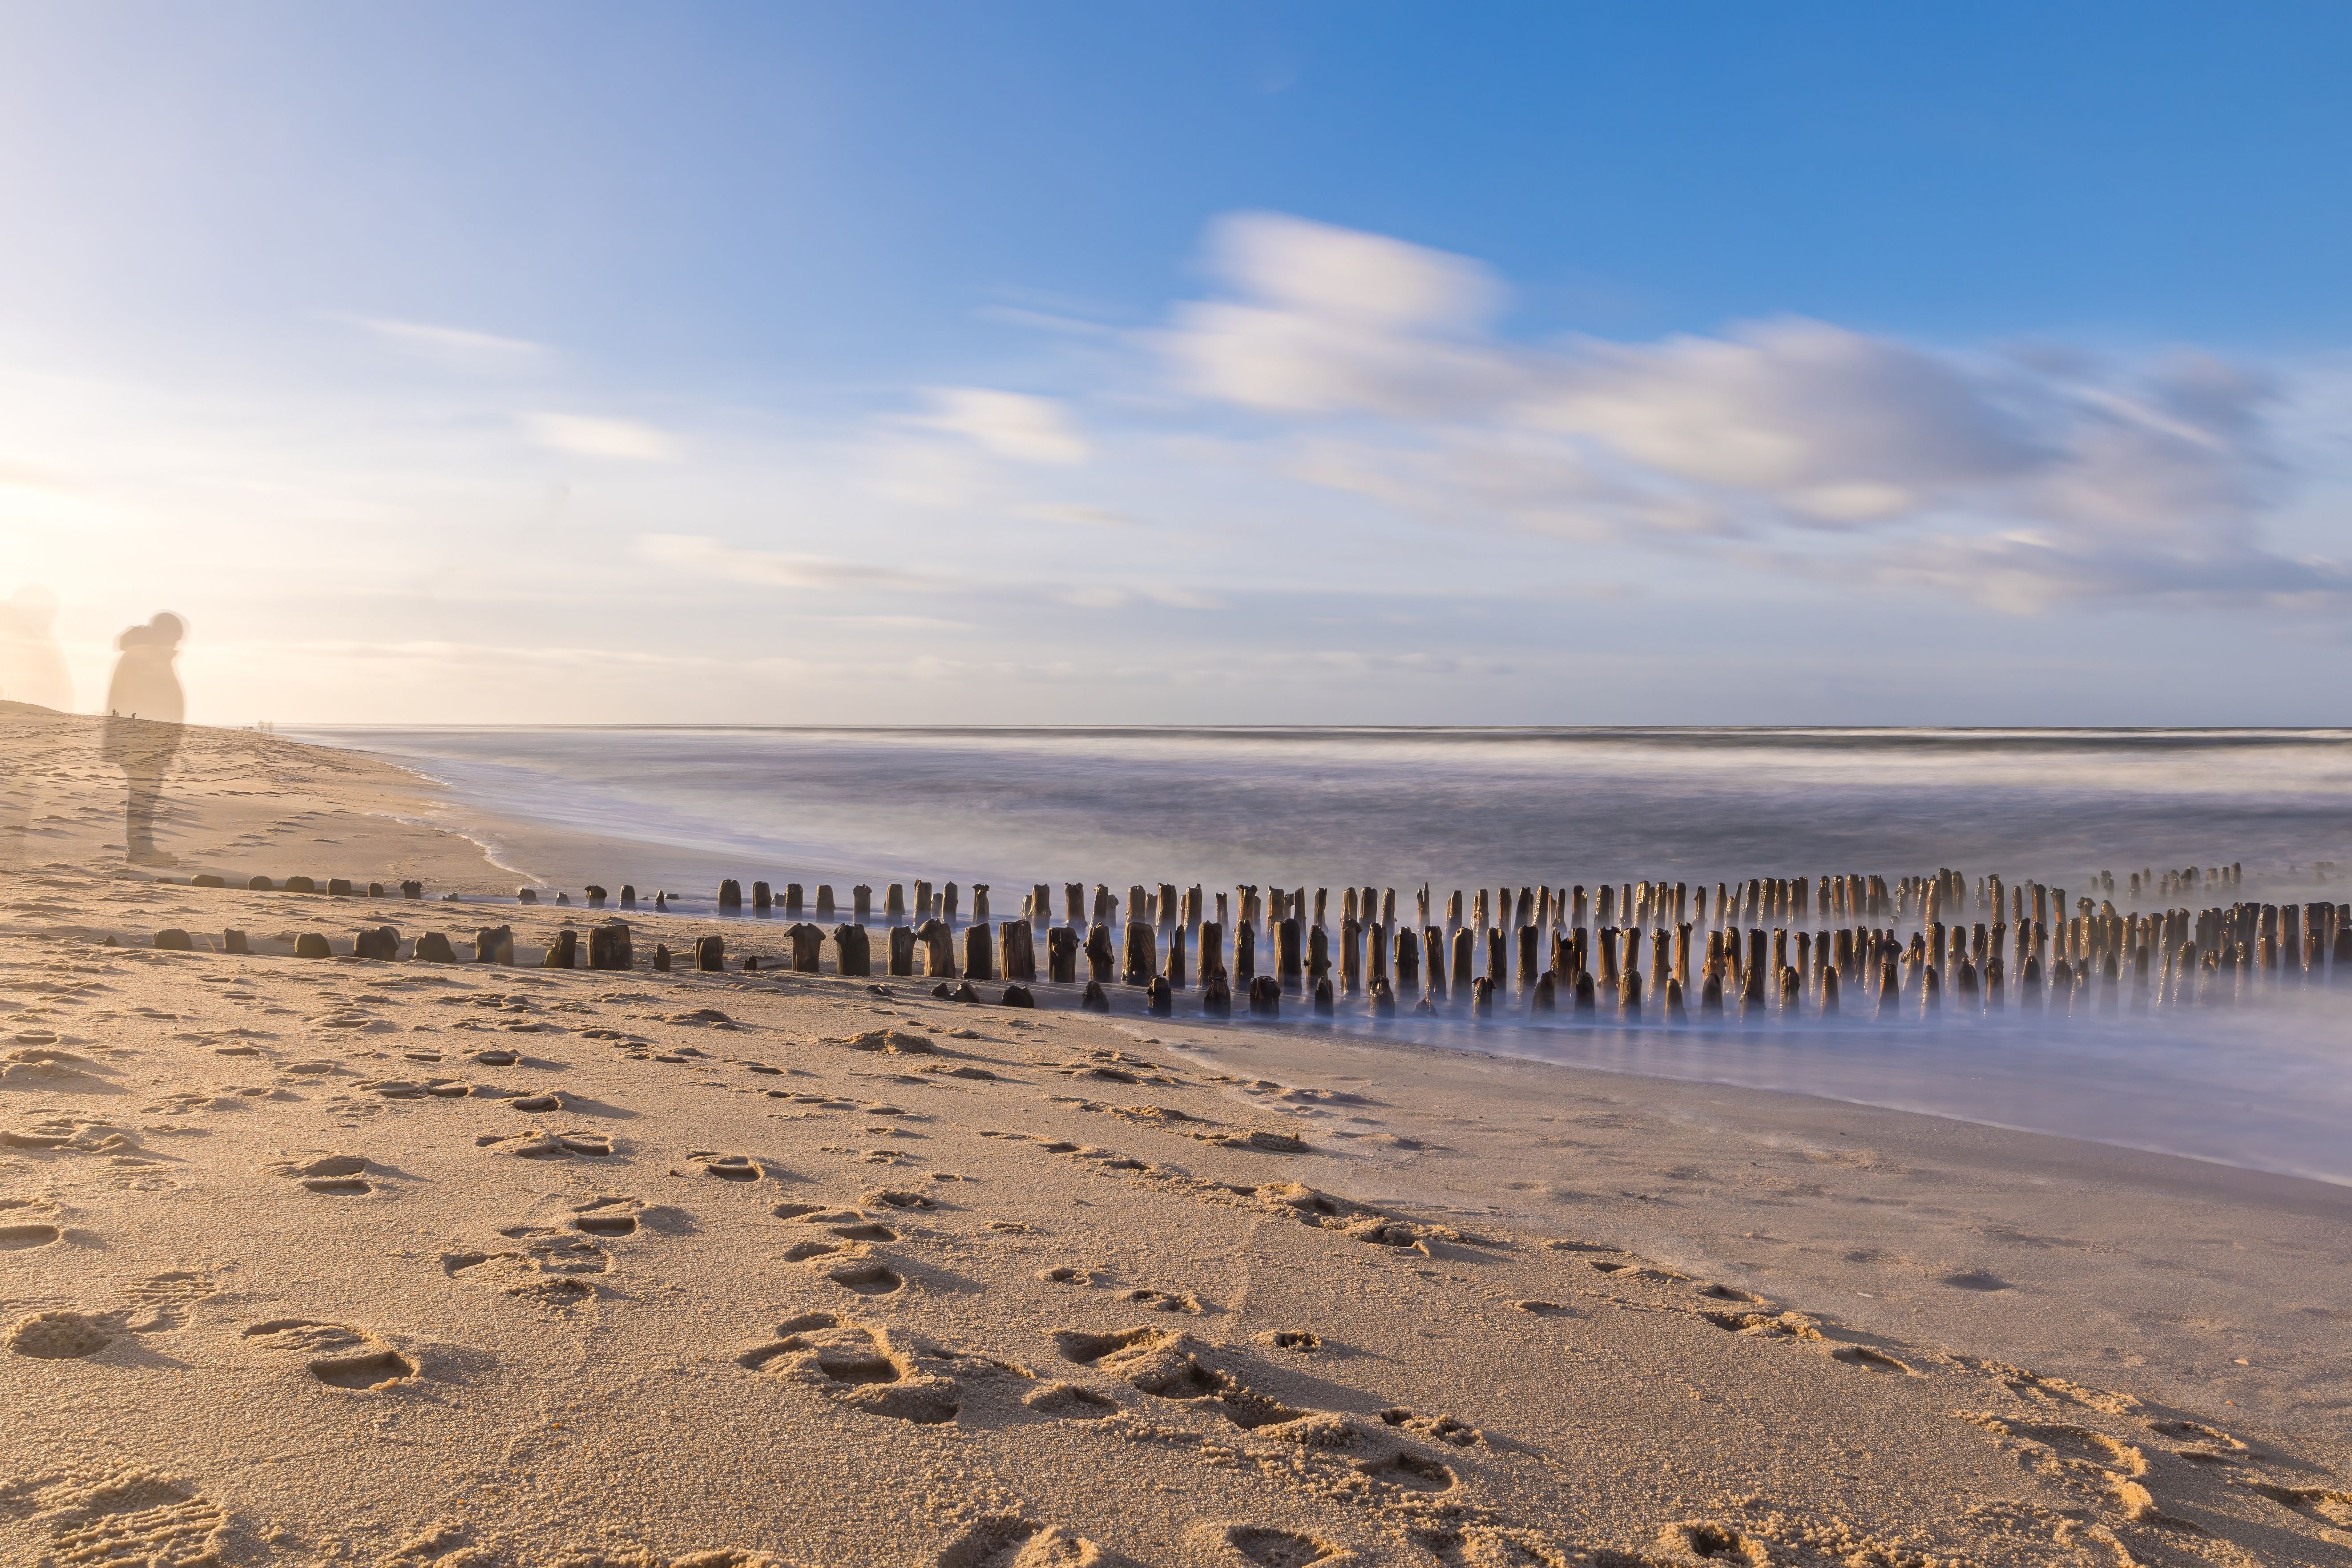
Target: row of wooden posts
1561,950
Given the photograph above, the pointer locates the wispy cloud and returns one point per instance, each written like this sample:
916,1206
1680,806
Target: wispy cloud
457,347
2017,481
588,436
1009,424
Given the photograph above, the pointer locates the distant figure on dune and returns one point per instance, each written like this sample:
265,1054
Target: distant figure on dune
144,710
32,666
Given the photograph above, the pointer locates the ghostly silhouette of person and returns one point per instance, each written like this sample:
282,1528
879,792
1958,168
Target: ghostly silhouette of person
144,708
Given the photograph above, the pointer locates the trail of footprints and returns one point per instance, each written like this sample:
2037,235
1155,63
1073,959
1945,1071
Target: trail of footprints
1418,1471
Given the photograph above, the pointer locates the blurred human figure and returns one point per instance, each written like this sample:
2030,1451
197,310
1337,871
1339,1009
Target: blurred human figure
144,709
32,666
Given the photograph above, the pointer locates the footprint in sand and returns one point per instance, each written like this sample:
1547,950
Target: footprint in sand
548,1271
1271,1548
860,1365
340,1356
1069,1400
867,1276
608,1216
551,1145
58,1336
167,1297
1480,1546
1166,1364
727,1167
23,1237
1008,1540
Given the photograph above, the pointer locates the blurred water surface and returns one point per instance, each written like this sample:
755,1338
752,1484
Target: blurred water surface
1458,808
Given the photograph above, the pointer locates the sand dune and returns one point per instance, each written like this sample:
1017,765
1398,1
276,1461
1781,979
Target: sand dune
340,1260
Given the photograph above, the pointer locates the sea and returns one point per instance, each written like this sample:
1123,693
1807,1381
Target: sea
2266,1087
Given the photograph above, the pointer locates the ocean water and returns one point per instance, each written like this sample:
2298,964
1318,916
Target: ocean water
2268,1087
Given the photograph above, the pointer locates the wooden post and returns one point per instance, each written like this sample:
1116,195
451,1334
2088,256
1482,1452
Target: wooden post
980,950
1266,997
808,947
1073,903
1543,996
1319,955
710,955
939,948
1245,955
1454,912
1351,956
1530,936
762,897
1216,996
1176,958
1829,993
1213,952
1017,943
608,947
1061,955
1102,961
1433,949
1041,906
851,954
1408,965
980,903
1288,962
1464,958
1628,998
902,949
1142,954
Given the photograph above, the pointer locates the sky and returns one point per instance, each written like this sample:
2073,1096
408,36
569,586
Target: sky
1102,362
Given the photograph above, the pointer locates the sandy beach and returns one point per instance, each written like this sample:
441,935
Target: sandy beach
343,1260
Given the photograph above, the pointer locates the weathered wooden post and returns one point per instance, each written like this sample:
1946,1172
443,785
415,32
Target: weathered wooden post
1212,954
562,950
1465,964
851,953
1319,955
1216,996
710,955
808,947
902,950
939,948
608,946
1073,903
980,903
1407,966
1530,936
1041,905
1142,964
1094,998
1102,961
1543,996
1061,955
1482,998
1159,1000
1266,997
1176,971
494,944
1017,950
1629,997
1288,962
980,950
762,897
730,894
1351,956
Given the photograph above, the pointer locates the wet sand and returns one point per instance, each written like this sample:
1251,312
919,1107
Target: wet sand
349,1261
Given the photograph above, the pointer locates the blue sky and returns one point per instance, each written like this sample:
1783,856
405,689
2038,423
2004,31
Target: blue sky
1111,363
